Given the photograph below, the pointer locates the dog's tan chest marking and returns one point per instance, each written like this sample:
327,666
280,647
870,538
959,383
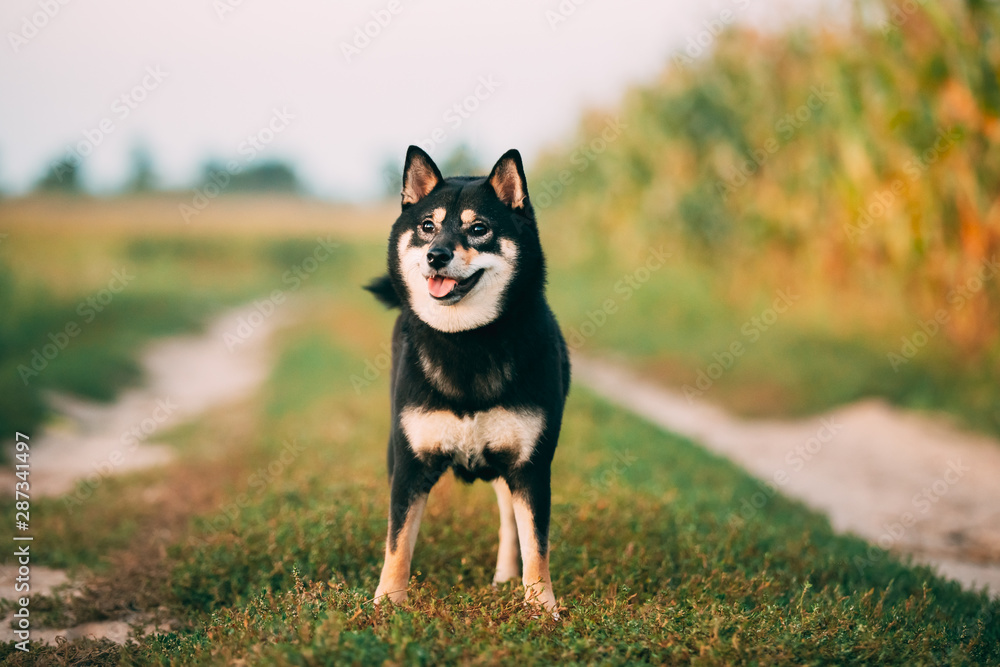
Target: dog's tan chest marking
488,384
466,438
436,376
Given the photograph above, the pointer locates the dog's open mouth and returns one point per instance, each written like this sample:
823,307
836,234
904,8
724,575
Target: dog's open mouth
450,291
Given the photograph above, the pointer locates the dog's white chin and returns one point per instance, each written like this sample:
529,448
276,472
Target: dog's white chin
472,312
477,308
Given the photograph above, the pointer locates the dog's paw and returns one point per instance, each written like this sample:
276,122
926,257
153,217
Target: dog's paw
394,596
555,616
541,595
503,576
535,610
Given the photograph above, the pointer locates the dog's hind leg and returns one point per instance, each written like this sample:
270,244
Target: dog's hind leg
507,553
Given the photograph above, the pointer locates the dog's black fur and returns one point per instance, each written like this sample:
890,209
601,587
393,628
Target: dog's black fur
523,339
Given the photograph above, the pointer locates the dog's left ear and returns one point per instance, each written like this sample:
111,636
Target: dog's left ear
508,181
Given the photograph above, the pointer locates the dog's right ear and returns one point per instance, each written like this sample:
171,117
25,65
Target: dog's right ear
420,176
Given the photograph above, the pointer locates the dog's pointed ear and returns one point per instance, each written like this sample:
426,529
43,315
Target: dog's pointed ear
508,181
420,176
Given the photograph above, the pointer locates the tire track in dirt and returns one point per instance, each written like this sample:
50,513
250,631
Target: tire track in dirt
185,376
905,482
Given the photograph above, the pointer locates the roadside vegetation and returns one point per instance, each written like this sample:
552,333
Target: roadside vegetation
855,165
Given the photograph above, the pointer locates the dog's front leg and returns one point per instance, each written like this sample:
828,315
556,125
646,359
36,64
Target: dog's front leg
406,507
532,504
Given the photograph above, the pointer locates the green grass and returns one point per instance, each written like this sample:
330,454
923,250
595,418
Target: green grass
264,540
651,558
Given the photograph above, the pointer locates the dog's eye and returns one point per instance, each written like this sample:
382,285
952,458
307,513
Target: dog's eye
478,229
427,227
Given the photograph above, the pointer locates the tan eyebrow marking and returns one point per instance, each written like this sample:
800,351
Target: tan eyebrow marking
438,214
468,215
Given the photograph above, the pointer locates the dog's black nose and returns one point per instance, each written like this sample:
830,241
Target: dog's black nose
439,257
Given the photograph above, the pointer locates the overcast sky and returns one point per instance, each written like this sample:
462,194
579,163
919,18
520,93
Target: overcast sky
201,76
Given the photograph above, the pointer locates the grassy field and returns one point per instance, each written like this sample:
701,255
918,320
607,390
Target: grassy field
822,351
121,274
262,543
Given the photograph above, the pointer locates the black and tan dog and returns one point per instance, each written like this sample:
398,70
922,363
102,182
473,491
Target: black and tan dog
480,370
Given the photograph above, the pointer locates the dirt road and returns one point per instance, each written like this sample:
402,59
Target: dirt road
908,483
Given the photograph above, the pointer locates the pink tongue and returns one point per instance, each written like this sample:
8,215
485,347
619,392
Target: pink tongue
440,286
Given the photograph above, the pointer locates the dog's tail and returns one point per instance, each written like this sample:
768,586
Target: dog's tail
384,291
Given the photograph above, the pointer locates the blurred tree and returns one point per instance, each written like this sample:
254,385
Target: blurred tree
270,176
142,178
63,175
392,177
462,161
